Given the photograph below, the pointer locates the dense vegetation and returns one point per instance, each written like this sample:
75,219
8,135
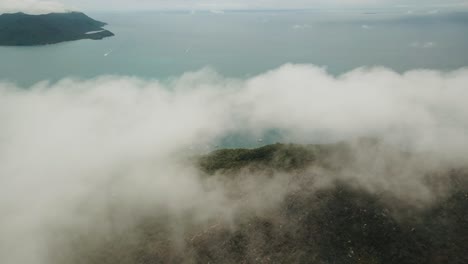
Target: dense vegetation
21,29
341,223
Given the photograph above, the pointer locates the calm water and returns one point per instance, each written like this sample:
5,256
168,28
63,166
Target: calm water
240,44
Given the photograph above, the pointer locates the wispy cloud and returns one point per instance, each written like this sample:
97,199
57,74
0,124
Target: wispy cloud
423,45
33,6
300,26
227,4
68,149
366,27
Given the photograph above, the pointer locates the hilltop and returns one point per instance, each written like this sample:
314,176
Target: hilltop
339,222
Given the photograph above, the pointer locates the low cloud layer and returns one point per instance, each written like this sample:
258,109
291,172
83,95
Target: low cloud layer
68,148
33,6
261,4
47,6
423,45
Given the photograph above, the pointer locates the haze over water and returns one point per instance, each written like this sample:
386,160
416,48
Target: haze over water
159,45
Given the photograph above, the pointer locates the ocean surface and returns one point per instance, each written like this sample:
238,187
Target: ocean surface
239,44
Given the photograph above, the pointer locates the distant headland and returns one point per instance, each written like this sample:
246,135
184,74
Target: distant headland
20,29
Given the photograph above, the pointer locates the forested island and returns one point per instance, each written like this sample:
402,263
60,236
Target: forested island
20,29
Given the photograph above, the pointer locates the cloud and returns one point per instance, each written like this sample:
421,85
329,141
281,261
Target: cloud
249,4
423,45
72,149
366,27
217,12
32,6
300,26
47,6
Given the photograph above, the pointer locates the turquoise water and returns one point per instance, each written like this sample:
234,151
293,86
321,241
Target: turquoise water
240,44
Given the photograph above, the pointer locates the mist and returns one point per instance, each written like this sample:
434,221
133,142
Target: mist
32,6
99,155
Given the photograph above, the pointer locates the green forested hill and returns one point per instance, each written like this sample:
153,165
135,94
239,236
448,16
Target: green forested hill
21,29
336,223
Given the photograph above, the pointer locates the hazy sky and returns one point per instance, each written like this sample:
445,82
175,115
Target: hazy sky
44,6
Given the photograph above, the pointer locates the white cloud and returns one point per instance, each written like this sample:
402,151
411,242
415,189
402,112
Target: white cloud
423,45
86,142
217,12
41,6
300,26
32,6
366,27
218,7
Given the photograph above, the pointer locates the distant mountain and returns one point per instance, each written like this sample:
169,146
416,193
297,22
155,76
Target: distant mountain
21,29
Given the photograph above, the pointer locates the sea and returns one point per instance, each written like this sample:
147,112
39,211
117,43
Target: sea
239,44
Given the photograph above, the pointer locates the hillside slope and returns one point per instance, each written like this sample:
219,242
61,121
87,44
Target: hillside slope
341,221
